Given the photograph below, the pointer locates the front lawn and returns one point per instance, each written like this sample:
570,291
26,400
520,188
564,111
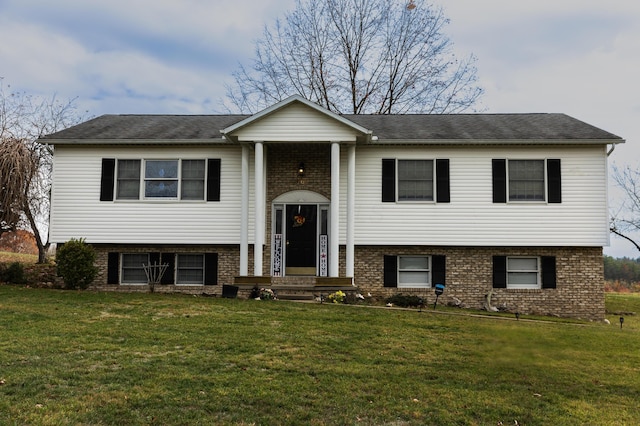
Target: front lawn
88,358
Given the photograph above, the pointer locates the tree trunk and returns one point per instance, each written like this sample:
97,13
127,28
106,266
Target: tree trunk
42,247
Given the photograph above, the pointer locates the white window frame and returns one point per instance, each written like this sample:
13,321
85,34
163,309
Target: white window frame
409,284
179,268
433,181
537,272
122,269
544,181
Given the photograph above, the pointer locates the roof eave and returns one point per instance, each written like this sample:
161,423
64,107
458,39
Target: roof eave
496,141
78,142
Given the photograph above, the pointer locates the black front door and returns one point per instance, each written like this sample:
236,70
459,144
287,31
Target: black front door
301,233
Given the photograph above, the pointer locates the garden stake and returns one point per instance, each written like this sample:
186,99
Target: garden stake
439,291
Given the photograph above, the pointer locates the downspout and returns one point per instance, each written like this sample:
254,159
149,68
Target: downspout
613,146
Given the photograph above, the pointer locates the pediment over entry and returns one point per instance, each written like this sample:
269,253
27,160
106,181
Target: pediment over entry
296,120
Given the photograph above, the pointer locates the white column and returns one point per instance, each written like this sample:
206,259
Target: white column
351,207
259,210
244,214
334,242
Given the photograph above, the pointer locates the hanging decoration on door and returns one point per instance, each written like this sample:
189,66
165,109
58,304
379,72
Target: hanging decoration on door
299,219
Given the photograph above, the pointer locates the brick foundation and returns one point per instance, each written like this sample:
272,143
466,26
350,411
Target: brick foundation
469,277
228,267
579,292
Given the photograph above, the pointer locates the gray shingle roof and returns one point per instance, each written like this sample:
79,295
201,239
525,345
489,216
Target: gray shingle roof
410,127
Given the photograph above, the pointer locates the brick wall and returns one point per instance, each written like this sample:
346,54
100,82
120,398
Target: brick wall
282,177
469,277
228,267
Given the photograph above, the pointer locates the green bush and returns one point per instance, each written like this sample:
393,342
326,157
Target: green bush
405,300
14,273
76,264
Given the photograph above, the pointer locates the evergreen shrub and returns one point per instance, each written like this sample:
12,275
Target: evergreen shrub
76,264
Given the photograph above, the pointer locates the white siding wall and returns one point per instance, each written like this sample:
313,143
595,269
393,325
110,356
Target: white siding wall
77,211
471,218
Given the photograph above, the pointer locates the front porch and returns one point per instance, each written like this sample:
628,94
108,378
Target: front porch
295,287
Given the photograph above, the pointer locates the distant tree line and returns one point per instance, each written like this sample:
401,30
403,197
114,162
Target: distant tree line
622,269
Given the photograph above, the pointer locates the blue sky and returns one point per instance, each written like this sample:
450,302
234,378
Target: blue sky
579,57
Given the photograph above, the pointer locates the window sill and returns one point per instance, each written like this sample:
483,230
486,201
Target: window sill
523,290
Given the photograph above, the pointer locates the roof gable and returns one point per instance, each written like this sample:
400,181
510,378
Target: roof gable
296,120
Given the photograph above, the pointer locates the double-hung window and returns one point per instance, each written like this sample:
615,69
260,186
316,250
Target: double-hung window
415,180
132,268
190,269
128,182
161,179
526,180
193,177
414,271
523,272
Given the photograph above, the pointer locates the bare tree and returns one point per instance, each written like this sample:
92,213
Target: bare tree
358,57
26,164
626,221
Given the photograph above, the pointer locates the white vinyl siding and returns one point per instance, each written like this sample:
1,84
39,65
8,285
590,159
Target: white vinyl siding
296,123
77,211
471,218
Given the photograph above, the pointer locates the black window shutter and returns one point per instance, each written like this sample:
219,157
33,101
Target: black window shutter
499,173
107,179
548,271
554,181
438,269
211,269
388,180
499,272
391,271
154,258
442,180
213,179
113,268
170,272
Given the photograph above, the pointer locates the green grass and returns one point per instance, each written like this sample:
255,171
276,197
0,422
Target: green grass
83,358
